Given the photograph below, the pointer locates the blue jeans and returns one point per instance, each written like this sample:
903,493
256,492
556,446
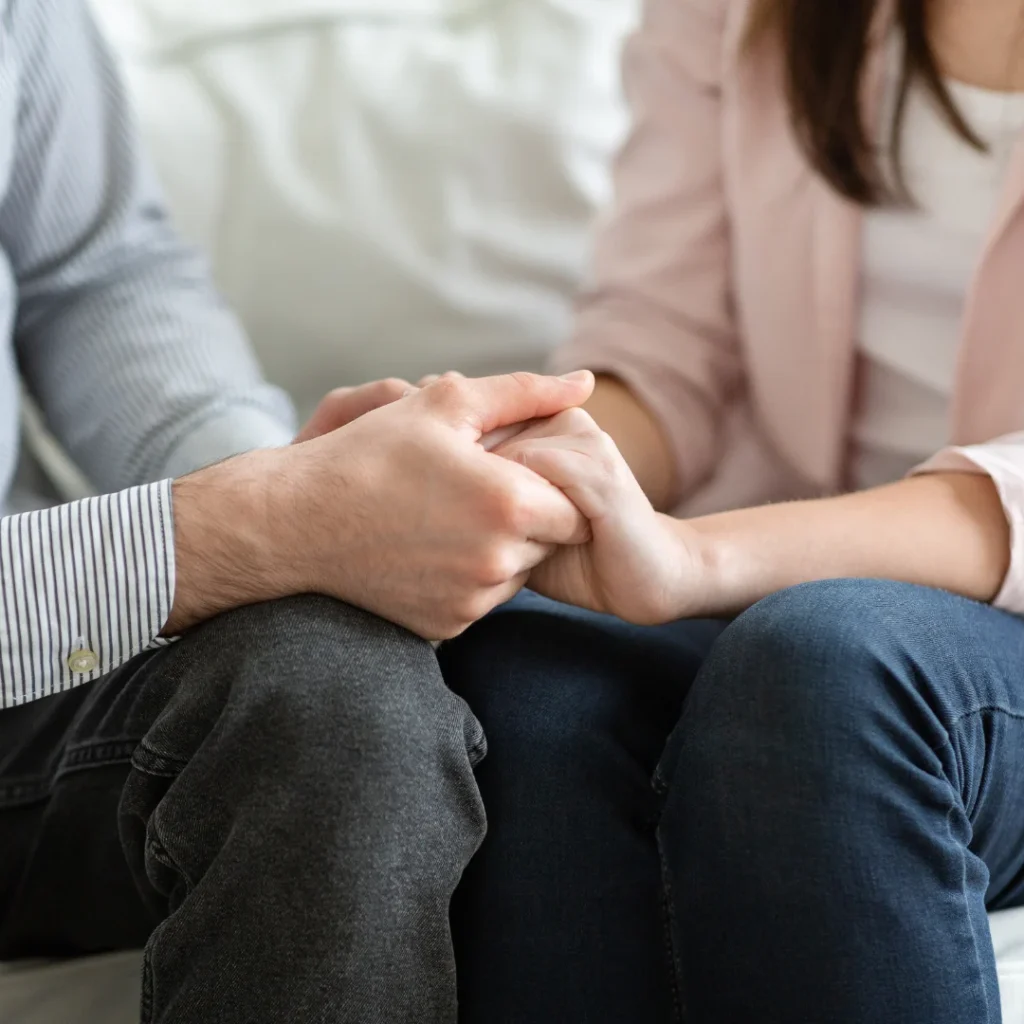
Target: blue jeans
800,817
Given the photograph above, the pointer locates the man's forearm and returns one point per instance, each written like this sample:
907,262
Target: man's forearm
947,531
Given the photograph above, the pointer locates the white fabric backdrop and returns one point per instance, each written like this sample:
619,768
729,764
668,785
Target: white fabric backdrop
384,186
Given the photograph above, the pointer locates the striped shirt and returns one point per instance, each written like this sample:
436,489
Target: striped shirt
139,369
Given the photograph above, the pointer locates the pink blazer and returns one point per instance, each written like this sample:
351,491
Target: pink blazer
726,284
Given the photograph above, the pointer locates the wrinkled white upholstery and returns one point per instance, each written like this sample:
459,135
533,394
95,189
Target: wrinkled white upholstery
385,186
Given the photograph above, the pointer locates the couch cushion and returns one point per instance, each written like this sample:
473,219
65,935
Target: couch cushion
100,990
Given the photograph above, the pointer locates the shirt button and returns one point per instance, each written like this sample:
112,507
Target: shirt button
83,662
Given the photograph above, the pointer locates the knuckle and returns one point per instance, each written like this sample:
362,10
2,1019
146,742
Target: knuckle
506,510
580,422
606,446
393,387
497,565
610,459
447,392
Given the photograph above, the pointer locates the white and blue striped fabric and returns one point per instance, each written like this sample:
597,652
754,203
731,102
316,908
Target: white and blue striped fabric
140,371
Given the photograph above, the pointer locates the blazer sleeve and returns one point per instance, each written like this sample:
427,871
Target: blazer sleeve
1003,461
659,312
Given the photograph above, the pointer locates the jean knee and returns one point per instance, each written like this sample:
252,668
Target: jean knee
311,680
810,674
565,694
311,720
525,674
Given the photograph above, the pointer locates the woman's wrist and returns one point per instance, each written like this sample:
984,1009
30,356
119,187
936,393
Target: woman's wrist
703,570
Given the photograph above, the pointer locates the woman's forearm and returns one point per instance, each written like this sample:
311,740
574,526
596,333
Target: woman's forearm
947,531
638,437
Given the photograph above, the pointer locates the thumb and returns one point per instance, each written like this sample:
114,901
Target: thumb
489,403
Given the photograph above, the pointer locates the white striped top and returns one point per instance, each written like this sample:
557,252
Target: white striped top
140,370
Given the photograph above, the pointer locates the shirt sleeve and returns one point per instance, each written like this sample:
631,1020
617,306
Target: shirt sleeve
84,587
139,368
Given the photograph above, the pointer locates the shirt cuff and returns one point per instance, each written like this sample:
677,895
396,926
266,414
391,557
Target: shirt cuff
84,587
229,432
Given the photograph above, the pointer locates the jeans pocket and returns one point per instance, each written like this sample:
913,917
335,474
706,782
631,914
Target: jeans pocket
23,792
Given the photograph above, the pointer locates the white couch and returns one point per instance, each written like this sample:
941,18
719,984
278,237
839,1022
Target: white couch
385,187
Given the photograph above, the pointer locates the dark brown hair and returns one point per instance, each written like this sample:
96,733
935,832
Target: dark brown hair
826,44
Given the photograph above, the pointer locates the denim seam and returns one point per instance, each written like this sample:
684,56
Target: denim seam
169,768
986,709
146,1000
22,793
157,849
668,920
979,970
477,753
935,748
96,754
158,765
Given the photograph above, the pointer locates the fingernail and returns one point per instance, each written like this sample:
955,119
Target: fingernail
577,377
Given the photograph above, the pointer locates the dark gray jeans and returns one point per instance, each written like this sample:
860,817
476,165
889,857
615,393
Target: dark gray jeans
279,807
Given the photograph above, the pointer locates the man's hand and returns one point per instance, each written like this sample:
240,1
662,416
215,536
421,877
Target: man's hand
401,512
343,405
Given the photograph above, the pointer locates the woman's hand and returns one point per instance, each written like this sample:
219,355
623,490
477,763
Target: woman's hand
638,565
946,530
